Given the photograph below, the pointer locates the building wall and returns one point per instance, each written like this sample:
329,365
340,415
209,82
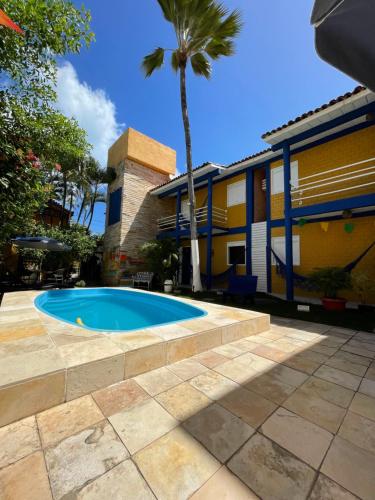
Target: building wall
139,209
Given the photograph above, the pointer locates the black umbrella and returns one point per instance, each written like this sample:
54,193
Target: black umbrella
41,243
345,37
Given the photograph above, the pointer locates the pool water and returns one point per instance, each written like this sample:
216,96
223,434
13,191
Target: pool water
111,309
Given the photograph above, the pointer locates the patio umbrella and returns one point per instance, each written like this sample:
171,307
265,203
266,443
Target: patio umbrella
41,243
345,37
6,21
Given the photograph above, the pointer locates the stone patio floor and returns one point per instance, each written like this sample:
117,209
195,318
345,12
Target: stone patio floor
285,414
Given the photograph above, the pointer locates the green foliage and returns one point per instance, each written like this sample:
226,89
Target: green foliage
83,246
23,193
330,280
28,63
161,257
363,285
205,29
80,284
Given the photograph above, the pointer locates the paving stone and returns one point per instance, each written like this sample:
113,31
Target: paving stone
270,471
352,467
360,351
354,358
157,381
338,377
187,368
245,345
346,366
271,353
228,351
210,358
323,349
26,479
82,458
22,346
86,352
367,387
224,486
65,420
139,425
249,406
271,388
123,482
333,393
302,364
288,375
359,431
119,396
326,489
370,374
213,385
315,409
18,440
238,370
363,405
179,456
305,440
221,432
183,401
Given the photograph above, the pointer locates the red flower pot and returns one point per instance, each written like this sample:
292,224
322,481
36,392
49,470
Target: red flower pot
334,304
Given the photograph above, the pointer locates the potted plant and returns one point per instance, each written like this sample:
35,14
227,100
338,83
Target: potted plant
330,280
161,257
363,286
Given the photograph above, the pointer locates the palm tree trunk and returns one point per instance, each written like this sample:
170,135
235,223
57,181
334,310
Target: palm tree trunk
197,284
81,208
92,206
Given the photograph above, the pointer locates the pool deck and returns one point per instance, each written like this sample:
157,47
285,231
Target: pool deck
287,414
45,362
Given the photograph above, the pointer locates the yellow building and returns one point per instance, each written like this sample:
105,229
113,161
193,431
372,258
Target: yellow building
306,202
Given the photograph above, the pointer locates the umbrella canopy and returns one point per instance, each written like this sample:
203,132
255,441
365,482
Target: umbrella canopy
345,37
6,21
41,243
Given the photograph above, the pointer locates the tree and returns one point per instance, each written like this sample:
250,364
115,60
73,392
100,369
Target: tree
205,30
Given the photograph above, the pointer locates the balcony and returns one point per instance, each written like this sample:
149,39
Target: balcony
169,223
334,184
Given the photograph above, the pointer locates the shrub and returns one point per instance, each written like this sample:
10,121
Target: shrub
80,284
330,280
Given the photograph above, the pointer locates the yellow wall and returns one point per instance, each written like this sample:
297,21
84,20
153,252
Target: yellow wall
144,150
345,150
236,214
332,248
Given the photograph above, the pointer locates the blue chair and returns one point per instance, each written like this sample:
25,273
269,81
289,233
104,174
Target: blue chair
241,286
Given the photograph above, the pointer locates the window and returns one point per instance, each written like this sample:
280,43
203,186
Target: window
278,245
236,193
114,209
236,253
277,177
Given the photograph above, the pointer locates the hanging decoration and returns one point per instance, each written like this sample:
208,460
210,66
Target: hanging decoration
302,222
348,227
324,226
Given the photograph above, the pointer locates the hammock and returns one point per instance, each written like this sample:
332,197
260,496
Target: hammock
220,277
303,281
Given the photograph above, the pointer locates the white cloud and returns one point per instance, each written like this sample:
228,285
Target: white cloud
92,108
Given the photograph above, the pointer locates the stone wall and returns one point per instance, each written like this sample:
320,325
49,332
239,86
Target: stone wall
139,213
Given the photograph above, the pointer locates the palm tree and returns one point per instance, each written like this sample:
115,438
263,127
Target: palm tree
204,30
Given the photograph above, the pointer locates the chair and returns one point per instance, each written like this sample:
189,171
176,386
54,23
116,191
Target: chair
241,286
143,278
56,277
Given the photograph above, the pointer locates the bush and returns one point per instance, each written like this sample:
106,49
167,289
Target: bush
80,284
161,258
330,280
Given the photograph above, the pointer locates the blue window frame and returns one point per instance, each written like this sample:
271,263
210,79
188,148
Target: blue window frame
114,214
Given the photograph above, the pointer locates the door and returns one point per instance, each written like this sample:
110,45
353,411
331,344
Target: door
186,266
259,254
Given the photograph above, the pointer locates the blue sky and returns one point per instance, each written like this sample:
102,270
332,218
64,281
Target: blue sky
274,76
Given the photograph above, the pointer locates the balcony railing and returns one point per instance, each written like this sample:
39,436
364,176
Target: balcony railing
169,223
341,182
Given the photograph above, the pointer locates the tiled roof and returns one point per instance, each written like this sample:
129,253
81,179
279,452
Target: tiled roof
341,98
251,157
181,175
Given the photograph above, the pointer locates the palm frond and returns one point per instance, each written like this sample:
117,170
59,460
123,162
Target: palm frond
175,60
200,64
216,49
153,61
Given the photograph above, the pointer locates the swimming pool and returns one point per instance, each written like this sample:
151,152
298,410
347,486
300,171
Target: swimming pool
111,309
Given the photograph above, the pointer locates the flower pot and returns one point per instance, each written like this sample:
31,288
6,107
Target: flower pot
334,304
168,286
